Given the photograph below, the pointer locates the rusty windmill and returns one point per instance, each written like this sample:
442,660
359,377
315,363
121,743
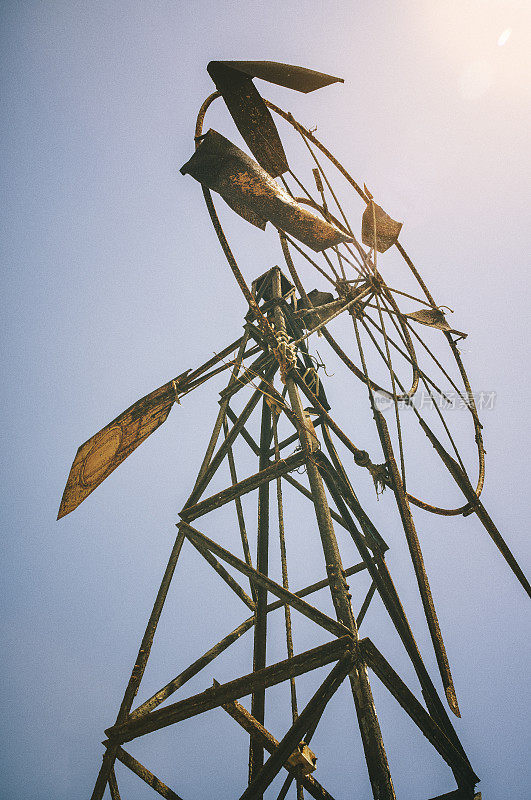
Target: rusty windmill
275,381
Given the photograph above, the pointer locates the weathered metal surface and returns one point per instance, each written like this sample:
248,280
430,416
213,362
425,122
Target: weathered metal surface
106,450
387,229
147,776
256,749
221,166
418,714
326,622
418,563
301,79
220,647
376,758
252,117
435,318
243,487
379,573
252,726
292,738
240,687
113,786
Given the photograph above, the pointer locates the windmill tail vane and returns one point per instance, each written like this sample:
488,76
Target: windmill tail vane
275,408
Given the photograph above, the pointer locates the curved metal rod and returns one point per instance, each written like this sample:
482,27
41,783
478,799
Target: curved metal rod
472,408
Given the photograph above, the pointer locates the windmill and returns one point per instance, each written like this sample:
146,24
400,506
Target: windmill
275,407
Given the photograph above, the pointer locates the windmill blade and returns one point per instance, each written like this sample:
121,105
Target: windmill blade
103,452
221,166
301,79
387,229
435,318
251,116
253,119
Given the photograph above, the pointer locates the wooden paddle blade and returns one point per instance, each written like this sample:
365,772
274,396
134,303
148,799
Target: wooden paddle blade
221,166
103,452
251,116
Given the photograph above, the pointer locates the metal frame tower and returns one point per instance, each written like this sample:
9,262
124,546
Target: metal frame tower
272,362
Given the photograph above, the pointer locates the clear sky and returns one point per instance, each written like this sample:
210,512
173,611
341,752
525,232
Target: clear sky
114,283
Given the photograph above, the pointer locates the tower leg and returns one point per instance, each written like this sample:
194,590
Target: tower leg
256,748
379,773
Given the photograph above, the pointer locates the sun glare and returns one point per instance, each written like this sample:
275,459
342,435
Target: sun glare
504,37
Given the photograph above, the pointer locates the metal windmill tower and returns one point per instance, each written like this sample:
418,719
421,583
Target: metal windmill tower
275,406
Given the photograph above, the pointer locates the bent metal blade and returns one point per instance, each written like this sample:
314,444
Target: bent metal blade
103,452
221,166
247,108
387,229
251,116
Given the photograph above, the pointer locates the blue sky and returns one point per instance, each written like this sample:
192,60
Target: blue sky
114,283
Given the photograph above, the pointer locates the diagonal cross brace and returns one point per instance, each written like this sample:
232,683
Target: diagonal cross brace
214,697
268,741
244,486
326,622
224,575
292,738
433,733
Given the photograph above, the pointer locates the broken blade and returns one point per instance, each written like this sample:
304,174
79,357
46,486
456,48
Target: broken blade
221,166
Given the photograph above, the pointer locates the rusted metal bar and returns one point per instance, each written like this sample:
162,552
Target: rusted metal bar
295,734
378,768
140,665
221,413
370,532
240,687
250,373
222,645
244,432
373,538
147,776
113,786
194,668
326,622
386,588
239,509
224,575
418,714
462,480
418,562
293,438
214,360
229,441
252,726
366,603
306,492
262,478
316,403
256,749
459,794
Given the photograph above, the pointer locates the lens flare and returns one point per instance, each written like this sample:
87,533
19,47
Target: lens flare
504,37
